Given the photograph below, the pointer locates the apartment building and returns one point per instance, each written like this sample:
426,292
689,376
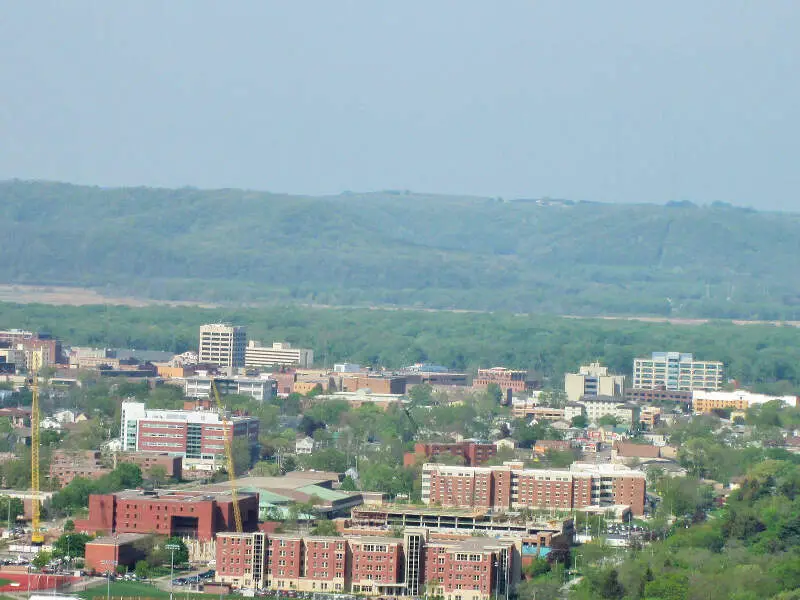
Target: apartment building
222,345
66,465
475,568
507,379
261,389
192,434
642,396
173,465
593,380
597,407
510,486
473,453
676,371
707,402
280,354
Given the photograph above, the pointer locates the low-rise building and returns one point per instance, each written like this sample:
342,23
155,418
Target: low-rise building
105,553
66,465
186,513
261,389
304,445
507,379
597,407
473,453
278,355
172,465
657,396
707,402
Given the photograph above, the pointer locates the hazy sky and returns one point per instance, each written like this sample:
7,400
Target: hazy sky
598,100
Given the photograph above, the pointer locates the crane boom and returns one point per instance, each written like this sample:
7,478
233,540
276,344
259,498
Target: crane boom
36,534
226,427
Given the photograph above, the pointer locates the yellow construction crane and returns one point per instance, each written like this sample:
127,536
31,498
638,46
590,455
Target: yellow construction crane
226,427
33,370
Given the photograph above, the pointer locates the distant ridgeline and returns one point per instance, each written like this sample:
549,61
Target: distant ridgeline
405,249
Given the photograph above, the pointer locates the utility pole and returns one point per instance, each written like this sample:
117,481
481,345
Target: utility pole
171,548
110,564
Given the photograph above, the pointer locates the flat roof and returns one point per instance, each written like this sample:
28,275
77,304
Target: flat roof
120,538
178,495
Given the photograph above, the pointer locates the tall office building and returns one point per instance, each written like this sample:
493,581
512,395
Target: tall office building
676,371
593,380
222,344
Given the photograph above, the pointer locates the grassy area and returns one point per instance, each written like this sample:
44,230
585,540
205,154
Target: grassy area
136,589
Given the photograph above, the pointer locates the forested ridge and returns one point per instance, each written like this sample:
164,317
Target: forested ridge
404,249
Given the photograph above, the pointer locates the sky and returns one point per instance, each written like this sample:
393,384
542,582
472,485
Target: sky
616,101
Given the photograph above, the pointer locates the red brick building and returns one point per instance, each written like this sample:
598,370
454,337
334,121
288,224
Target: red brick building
195,434
510,486
379,384
66,465
123,549
507,379
200,515
469,569
473,453
173,465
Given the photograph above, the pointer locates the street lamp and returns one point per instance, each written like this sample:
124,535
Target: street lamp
110,564
171,548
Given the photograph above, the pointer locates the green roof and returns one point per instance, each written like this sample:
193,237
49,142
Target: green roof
323,493
267,497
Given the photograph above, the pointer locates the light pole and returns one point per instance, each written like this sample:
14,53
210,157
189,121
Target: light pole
171,548
110,564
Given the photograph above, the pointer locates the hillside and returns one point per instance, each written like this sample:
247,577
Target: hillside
398,248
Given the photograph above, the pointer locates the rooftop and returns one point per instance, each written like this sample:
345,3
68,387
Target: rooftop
120,538
178,495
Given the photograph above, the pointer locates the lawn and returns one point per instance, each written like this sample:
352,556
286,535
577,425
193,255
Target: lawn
136,589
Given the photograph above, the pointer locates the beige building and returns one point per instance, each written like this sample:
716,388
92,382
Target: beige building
593,380
279,354
596,407
222,345
676,371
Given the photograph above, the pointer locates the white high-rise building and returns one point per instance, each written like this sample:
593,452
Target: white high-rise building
676,371
222,344
279,354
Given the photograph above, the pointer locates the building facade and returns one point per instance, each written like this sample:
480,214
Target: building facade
192,434
260,389
676,371
593,380
66,465
222,345
641,396
707,402
510,486
278,355
507,379
597,407
473,453
198,515
173,465
465,569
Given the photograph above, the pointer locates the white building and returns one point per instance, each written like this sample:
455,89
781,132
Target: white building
346,368
304,445
593,380
222,345
259,388
676,371
279,354
597,407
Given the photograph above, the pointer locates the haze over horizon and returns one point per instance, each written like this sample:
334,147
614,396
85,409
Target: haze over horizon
622,102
